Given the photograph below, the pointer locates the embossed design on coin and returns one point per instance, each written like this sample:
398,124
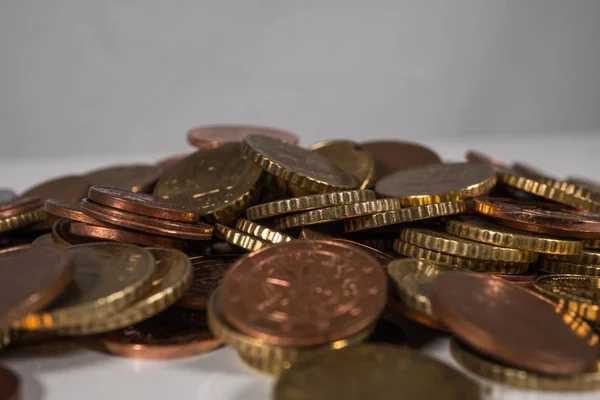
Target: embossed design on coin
208,273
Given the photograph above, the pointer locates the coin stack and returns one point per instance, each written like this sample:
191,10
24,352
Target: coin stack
296,256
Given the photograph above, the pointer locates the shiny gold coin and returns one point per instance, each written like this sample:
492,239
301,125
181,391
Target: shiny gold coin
296,165
485,231
592,244
348,156
551,266
135,178
490,369
265,357
337,213
217,182
586,257
379,372
310,202
22,220
450,244
262,232
240,239
108,277
566,193
497,267
405,215
173,276
437,183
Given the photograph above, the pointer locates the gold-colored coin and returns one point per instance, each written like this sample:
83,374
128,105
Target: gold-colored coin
592,244
485,231
561,192
586,257
497,267
580,294
135,178
551,266
487,368
450,244
337,213
296,165
317,233
22,220
108,277
262,232
218,182
379,372
266,357
405,215
240,239
172,277
310,202
437,183
348,156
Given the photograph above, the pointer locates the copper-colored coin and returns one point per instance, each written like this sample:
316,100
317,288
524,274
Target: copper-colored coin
540,217
142,204
482,158
10,385
137,178
61,234
391,156
180,230
208,273
113,234
168,162
69,210
519,279
513,324
531,171
19,205
215,135
304,292
174,333
30,278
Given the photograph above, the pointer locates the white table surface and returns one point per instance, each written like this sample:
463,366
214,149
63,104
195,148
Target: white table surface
84,374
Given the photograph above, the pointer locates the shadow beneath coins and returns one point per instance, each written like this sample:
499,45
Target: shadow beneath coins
417,335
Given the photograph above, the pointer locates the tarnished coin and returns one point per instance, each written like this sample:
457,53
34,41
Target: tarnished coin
10,385
30,278
174,333
586,257
136,177
437,183
312,292
108,277
348,156
394,155
540,217
240,239
69,210
551,266
375,371
218,183
20,205
296,165
64,189
114,234
217,135
142,204
208,273
262,232
61,234
513,324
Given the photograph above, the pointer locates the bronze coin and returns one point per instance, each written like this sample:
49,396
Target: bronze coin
113,234
162,227
19,205
142,204
61,234
169,161
519,279
69,210
540,217
137,178
212,136
304,292
208,273
394,155
513,324
10,385
30,278
477,157
174,333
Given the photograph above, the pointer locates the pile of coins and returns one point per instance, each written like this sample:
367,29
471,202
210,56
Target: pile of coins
315,264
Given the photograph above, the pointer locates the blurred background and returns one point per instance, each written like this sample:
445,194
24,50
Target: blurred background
85,77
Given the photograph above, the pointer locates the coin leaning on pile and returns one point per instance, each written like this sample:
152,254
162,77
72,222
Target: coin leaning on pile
294,256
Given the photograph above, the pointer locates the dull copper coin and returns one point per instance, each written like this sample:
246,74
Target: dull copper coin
137,178
142,204
10,385
540,217
30,278
169,161
61,234
162,227
519,279
19,205
304,292
215,135
114,234
208,273
174,333
513,324
70,210
394,155
531,171
478,157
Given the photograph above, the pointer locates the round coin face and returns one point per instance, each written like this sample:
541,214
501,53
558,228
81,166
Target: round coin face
348,156
208,273
67,188
304,292
216,135
513,324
